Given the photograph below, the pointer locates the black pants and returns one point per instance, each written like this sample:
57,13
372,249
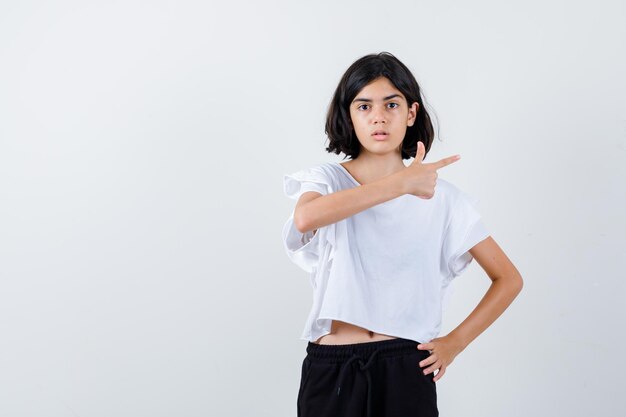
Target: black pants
371,379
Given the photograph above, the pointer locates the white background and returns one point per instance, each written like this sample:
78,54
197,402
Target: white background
142,149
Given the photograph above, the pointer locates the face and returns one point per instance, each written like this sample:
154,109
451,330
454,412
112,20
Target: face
381,107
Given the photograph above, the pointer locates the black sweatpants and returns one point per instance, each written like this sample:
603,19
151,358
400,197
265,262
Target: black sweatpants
370,379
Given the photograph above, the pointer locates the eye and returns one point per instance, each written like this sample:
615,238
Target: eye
396,104
358,108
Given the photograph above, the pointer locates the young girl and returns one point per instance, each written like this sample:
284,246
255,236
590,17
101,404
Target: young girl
382,242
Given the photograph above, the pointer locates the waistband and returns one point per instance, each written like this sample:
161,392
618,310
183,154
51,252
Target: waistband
338,353
364,354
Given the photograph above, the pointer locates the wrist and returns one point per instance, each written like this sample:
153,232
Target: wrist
458,340
398,183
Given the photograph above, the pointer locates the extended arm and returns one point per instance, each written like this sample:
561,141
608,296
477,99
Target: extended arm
314,210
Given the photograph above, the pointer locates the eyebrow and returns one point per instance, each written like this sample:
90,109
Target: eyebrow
367,100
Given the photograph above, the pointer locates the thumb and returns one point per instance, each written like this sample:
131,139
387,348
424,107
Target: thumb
419,155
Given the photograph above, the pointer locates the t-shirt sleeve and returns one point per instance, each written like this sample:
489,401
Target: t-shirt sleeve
303,248
465,229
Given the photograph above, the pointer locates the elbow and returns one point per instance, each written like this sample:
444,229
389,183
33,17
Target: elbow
519,284
301,222
513,282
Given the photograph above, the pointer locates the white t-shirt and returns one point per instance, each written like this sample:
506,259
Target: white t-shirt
387,268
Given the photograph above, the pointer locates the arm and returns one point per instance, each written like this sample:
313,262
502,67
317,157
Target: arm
505,286
314,210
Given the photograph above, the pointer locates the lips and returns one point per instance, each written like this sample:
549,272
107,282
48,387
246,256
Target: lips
380,135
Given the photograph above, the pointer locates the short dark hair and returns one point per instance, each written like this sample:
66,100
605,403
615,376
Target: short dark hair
339,129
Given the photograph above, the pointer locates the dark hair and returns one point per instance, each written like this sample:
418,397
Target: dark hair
339,127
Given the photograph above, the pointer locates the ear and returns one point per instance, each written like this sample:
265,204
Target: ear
412,114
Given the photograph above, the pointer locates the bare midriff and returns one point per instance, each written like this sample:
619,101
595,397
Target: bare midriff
342,333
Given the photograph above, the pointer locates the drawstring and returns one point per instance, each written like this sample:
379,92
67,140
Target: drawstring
364,367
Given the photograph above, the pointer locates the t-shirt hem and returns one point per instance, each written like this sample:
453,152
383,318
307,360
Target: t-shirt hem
375,328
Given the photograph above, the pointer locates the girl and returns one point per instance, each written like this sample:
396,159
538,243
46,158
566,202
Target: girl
382,241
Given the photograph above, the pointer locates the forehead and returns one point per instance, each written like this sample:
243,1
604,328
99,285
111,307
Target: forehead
378,90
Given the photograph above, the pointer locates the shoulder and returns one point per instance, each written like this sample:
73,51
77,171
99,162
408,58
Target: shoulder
320,177
451,194
447,190
320,168
324,170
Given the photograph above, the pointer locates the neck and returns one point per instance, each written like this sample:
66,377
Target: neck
371,167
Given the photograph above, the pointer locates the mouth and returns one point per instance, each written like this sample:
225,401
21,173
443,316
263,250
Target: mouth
380,135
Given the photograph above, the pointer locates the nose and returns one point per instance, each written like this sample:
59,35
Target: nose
378,116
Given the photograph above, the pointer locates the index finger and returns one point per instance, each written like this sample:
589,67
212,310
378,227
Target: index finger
446,161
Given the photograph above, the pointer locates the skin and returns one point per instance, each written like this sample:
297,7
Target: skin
383,176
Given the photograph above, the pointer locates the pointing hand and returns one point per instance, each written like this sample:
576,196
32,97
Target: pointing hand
420,178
